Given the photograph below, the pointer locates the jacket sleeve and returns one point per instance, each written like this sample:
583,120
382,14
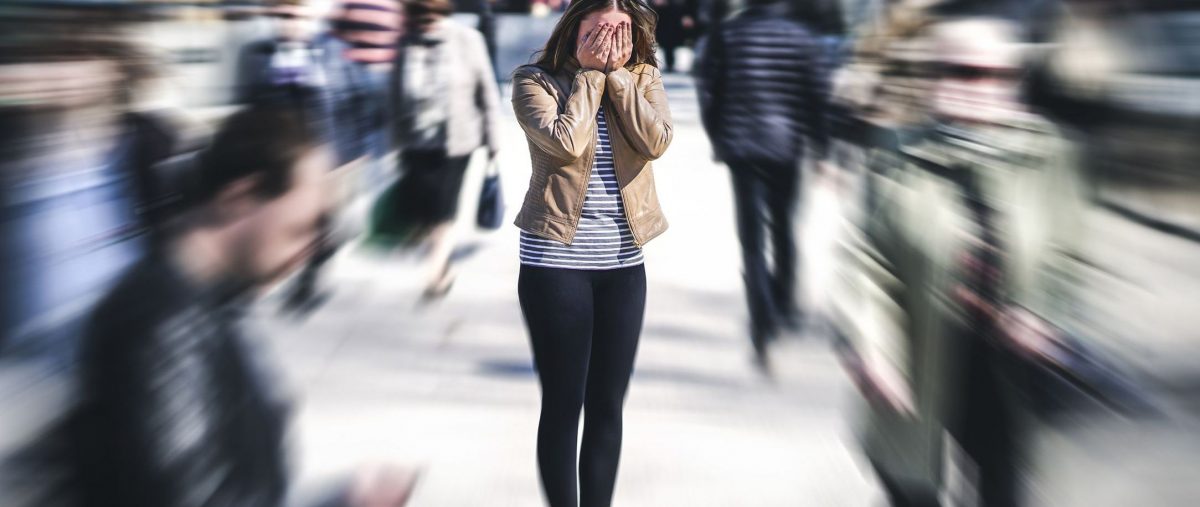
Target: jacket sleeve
563,135
645,118
709,84
817,91
159,416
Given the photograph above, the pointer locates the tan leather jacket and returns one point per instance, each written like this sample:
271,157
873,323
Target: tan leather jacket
558,114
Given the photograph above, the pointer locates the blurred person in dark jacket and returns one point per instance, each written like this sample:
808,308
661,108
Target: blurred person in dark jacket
326,72
762,99
446,105
178,407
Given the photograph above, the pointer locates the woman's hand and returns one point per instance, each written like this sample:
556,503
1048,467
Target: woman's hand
622,47
593,51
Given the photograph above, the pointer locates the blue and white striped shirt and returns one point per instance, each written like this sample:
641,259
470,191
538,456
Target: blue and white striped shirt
603,240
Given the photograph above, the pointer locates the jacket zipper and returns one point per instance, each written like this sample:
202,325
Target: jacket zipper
624,208
587,178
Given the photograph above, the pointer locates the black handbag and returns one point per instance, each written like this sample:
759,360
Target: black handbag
490,215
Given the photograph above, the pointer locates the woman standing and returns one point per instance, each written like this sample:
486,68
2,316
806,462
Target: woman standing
595,114
447,104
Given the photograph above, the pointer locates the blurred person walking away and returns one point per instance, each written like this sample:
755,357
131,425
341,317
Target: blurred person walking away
1126,75
595,114
446,105
327,73
969,235
178,406
763,101
670,33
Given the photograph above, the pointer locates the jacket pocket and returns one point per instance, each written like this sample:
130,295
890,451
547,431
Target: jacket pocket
642,195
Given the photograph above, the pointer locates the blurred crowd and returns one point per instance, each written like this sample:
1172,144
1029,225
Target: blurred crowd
1014,292
1013,284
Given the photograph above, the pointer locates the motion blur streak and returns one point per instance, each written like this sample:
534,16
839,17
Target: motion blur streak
968,230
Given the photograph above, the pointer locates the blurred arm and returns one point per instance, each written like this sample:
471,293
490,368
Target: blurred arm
709,84
817,91
487,97
645,119
565,135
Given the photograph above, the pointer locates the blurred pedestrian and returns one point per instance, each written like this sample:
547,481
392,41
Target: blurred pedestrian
1123,76
669,32
327,73
763,101
178,406
595,114
446,105
81,197
967,236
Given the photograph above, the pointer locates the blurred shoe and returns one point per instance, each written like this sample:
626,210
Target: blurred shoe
304,298
793,321
761,359
437,291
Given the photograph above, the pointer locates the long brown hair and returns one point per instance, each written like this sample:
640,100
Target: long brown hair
560,49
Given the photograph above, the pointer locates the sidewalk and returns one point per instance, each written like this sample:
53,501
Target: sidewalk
450,387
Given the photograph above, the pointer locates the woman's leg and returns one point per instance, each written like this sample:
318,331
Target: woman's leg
557,304
620,303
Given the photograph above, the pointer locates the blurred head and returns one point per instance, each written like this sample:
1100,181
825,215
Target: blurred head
584,15
293,20
261,187
371,27
62,58
979,69
423,15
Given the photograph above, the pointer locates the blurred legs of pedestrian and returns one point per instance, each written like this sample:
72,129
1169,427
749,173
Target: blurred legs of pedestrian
902,496
669,58
439,180
765,195
307,291
987,429
584,327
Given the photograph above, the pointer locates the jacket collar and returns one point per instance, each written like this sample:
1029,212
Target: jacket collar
570,68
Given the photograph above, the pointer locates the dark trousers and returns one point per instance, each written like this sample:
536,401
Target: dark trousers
988,427
905,496
765,196
584,328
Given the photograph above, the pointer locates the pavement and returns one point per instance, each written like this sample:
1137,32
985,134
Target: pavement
450,387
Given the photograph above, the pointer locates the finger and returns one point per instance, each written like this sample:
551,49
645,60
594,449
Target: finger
599,36
605,38
606,44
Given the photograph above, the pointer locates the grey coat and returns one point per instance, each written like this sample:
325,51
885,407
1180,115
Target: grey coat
472,96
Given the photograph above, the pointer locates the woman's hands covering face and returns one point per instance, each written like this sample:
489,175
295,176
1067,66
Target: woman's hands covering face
622,47
593,51
606,47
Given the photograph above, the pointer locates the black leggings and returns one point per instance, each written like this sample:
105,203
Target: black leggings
584,328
